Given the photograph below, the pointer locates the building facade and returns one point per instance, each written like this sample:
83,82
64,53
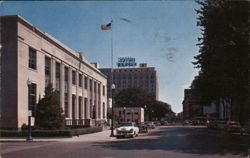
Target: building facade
32,59
129,114
133,77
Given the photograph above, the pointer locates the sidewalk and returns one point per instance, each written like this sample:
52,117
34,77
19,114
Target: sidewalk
100,136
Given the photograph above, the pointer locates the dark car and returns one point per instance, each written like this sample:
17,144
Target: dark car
233,126
143,128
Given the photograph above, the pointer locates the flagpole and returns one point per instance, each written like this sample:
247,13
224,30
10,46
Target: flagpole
112,84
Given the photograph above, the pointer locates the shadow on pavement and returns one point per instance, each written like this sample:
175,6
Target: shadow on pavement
200,141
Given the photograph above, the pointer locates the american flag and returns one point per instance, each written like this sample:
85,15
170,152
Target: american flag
106,26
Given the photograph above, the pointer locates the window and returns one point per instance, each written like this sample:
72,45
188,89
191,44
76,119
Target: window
47,71
32,98
80,80
73,106
90,85
66,104
58,76
80,107
47,66
73,77
103,90
103,110
94,86
66,74
32,58
85,107
58,72
86,82
66,79
99,89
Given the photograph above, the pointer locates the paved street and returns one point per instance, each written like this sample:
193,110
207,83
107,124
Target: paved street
163,142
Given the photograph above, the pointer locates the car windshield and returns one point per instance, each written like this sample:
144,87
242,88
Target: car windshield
126,124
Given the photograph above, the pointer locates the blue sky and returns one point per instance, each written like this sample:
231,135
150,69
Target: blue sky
161,33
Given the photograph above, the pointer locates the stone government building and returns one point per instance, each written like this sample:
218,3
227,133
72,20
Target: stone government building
30,60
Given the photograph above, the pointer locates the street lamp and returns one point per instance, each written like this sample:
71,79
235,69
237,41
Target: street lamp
29,137
124,112
112,122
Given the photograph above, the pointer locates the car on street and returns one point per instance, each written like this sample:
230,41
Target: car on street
127,129
150,125
143,128
233,126
220,124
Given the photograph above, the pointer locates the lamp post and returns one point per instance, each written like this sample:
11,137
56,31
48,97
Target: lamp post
145,107
112,121
124,112
29,137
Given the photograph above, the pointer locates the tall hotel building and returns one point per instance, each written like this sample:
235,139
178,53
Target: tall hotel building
133,77
30,60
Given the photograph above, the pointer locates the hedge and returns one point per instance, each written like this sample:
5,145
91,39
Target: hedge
50,133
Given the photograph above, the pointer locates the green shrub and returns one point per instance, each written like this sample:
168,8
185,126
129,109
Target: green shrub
36,133
50,133
82,131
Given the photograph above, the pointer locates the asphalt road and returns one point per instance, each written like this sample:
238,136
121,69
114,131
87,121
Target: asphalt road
163,142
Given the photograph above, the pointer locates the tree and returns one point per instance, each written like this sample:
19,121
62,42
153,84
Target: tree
49,112
133,97
223,57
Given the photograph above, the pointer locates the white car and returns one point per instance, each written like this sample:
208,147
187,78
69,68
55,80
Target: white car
127,129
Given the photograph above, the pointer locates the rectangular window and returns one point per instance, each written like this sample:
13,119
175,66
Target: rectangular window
85,107
47,71
86,82
103,90
80,107
66,79
73,77
99,89
90,85
32,58
58,76
73,106
47,66
66,74
94,86
66,104
32,98
80,80
103,110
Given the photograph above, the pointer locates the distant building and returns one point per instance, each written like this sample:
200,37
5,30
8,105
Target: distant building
127,114
133,77
30,60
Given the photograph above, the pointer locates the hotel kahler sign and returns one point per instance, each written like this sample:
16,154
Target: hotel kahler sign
126,62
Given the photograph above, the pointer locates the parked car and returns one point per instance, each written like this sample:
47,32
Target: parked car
127,129
233,126
164,123
221,124
211,124
143,128
245,130
150,125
